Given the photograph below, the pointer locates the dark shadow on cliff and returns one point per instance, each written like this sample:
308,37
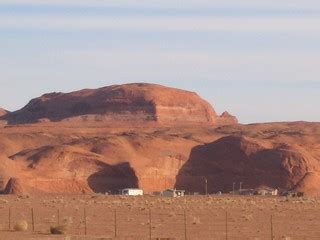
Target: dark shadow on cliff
229,160
58,106
112,178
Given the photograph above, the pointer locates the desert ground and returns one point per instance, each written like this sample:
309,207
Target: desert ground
189,217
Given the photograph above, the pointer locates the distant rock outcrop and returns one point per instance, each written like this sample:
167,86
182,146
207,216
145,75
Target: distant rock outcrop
130,103
14,186
252,161
309,184
226,119
3,112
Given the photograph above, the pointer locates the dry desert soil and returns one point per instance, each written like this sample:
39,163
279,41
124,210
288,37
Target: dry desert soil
189,217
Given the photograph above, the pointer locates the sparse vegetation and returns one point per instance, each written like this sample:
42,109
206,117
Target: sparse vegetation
21,226
205,216
196,220
58,229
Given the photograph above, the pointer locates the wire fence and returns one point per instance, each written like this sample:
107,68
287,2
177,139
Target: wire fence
180,224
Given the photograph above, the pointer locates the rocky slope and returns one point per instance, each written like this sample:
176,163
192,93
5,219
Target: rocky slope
64,159
132,104
254,162
3,112
193,144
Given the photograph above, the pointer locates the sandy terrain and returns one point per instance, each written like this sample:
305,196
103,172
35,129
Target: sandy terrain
248,217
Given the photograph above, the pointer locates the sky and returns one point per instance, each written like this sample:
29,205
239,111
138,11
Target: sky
259,60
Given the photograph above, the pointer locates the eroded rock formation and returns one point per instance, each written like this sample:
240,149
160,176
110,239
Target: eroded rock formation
186,143
226,119
131,103
14,186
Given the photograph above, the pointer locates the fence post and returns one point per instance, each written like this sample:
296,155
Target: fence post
9,218
32,218
58,216
226,225
115,223
185,224
271,226
150,224
85,221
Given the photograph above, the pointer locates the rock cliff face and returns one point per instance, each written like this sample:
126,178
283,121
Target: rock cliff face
130,103
3,112
254,162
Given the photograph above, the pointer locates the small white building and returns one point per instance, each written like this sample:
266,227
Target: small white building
266,191
173,193
132,192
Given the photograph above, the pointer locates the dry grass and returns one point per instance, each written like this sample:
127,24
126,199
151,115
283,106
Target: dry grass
58,230
196,220
248,217
21,226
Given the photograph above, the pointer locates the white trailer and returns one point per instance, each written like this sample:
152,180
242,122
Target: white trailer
132,192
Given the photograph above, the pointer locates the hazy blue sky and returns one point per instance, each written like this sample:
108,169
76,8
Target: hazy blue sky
260,60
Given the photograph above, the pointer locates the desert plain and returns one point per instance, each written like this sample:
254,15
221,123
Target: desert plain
247,217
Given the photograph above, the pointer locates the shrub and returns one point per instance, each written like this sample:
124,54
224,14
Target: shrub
196,220
58,230
21,226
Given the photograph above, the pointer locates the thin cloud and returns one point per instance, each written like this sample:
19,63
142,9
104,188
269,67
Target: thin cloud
307,4
159,23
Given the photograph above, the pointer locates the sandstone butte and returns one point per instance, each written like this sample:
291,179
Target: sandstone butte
134,104
151,137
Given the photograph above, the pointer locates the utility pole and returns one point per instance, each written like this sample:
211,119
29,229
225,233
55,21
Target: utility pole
206,182
233,187
226,225
240,187
271,224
